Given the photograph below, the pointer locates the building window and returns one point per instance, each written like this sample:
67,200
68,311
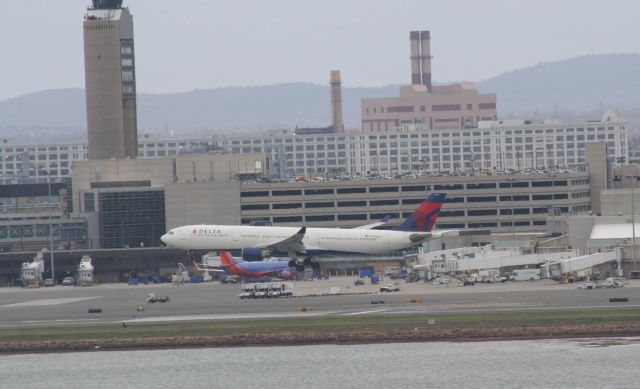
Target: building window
287,219
353,217
383,189
255,194
358,203
322,204
351,190
289,192
253,207
320,218
482,212
287,205
383,202
318,191
89,202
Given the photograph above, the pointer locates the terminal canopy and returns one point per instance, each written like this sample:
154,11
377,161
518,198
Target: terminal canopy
106,4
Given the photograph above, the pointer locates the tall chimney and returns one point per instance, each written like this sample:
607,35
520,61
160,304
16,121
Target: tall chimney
414,38
420,58
336,102
425,58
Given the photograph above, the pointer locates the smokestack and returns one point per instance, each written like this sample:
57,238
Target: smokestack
420,43
336,102
425,58
414,37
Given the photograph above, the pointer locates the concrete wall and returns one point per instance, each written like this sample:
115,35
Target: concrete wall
618,202
598,165
202,202
163,171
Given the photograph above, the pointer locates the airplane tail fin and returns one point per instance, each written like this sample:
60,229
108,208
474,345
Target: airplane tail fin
424,217
226,259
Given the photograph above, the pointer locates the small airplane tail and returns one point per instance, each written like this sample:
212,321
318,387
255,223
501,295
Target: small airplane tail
424,217
226,259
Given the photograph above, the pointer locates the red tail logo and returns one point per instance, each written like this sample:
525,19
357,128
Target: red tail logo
226,259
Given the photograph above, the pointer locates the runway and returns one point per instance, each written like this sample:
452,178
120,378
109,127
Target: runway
66,306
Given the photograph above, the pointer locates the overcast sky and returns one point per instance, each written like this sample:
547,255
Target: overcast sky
183,45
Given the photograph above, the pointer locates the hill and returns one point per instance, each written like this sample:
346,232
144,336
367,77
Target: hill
576,88
573,85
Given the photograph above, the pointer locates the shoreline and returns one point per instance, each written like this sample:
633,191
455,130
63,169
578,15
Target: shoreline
300,338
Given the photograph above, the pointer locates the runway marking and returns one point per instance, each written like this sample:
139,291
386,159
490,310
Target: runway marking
46,302
365,312
56,321
227,316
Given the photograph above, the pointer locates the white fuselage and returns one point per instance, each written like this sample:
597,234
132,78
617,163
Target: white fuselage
221,237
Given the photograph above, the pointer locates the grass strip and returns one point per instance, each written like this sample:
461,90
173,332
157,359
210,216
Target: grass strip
330,324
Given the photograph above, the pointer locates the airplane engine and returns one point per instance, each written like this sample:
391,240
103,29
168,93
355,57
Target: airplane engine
286,275
255,253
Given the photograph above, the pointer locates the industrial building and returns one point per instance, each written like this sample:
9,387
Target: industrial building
433,107
110,80
495,146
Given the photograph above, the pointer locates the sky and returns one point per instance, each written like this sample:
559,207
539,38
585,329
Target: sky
183,45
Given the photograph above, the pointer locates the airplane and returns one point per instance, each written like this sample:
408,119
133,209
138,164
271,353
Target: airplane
238,267
260,242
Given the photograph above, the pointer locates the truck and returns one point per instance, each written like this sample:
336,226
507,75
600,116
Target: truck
273,289
488,275
525,275
261,290
279,289
246,291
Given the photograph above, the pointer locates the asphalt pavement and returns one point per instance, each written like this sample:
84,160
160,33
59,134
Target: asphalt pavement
70,305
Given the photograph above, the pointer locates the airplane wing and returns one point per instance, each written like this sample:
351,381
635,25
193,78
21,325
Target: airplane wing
379,223
420,236
292,243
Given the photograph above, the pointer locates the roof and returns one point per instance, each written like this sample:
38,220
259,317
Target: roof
614,231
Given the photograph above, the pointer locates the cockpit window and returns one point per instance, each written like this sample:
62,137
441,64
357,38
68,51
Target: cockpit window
170,232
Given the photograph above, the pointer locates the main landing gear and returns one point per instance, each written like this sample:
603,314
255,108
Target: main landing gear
307,262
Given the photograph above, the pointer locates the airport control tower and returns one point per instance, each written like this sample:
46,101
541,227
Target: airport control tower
110,81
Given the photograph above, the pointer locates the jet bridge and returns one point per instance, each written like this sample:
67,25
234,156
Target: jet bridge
557,269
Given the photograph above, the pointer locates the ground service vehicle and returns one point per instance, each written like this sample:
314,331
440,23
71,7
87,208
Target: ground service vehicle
525,275
389,288
273,289
152,298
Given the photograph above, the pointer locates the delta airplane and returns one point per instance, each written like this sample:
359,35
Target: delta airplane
238,267
259,242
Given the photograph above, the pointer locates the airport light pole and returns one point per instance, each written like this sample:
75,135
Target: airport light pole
53,277
513,229
633,222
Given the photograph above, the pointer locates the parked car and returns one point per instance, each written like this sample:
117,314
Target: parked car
389,288
230,279
152,298
68,281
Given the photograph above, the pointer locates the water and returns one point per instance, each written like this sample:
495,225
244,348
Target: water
605,363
